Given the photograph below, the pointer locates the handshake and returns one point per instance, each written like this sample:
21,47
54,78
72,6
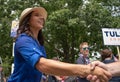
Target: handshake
101,72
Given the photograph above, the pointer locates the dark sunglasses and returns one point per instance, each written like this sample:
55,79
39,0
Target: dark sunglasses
86,48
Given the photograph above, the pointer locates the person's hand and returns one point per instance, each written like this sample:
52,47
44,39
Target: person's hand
98,63
93,78
97,78
101,75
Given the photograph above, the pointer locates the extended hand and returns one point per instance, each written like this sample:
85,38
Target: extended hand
99,74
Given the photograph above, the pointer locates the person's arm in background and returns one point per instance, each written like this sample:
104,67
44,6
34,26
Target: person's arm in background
113,68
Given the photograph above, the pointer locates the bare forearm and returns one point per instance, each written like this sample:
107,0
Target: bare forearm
59,68
114,68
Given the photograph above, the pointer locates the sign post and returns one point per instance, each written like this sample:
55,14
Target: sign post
112,37
14,27
118,50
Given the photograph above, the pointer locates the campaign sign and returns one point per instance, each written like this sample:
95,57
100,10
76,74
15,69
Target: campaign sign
14,28
111,36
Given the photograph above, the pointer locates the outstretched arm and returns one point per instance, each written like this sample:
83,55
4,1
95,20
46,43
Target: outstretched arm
113,68
49,66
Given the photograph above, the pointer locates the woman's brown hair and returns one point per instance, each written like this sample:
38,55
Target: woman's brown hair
105,54
24,27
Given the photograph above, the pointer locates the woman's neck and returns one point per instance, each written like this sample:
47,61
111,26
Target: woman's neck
35,33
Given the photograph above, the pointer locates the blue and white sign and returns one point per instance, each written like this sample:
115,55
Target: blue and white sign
111,36
14,28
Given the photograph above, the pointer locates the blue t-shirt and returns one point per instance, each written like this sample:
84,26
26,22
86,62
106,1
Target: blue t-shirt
27,52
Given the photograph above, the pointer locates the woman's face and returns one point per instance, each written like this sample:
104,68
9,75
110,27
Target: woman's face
36,20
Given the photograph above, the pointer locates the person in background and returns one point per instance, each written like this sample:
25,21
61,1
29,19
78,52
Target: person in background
44,78
108,57
83,58
30,60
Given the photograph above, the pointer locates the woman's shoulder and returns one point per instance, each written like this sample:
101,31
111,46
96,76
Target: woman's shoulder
24,37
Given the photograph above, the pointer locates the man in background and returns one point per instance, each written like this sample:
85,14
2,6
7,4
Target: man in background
83,58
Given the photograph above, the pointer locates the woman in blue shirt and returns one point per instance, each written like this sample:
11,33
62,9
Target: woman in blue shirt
30,56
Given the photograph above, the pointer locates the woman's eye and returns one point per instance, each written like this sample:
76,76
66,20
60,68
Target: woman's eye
36,14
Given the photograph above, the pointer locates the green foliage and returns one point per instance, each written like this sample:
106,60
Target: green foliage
69,23
7,65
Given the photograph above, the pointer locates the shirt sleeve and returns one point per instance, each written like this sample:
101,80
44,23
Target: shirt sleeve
28,50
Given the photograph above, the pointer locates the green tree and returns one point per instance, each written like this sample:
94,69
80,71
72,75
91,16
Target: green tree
69,23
